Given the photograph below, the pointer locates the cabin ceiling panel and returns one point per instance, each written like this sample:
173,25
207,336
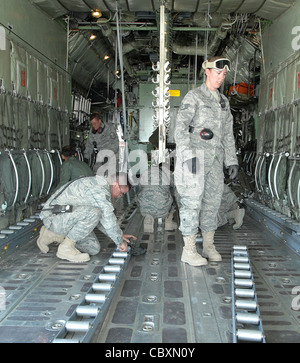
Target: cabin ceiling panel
52,8
268,9
140,22
87,54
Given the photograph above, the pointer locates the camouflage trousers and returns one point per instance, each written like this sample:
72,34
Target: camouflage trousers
228,203
77,225
155,200
201,202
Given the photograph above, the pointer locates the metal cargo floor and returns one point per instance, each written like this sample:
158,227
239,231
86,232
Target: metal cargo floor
158,298
164,300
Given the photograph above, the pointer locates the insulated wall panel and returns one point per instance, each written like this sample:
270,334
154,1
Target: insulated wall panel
52,83
271,92
42,82
4,61
31,62
63,93
297,80
290,83
281,91
19,73
33,28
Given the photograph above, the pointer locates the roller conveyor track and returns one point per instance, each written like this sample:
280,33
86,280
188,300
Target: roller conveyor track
164,300
41,292
159,299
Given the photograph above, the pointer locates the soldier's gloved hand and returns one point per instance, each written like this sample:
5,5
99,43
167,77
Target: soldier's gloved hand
123,247
127,237
193,165
233,171
136,250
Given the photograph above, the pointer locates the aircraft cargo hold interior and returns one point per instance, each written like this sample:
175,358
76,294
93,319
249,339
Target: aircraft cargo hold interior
139,69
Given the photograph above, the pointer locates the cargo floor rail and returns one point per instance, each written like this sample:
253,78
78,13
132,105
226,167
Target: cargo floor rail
246,320
91,311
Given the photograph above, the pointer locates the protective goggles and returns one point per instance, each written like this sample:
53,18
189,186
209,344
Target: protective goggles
219,64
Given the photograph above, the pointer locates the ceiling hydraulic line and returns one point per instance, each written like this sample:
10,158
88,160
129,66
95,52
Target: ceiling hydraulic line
147,28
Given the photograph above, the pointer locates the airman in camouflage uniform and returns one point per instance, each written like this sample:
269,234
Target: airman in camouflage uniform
87,202
71,167
204,127
155,197
229,209
104,137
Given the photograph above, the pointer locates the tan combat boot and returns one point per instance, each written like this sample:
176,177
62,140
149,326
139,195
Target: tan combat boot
148,224
67,251
209,250
169,223
46,238
238,216
190,254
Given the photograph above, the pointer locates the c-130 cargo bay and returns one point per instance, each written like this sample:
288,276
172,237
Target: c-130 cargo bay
133,62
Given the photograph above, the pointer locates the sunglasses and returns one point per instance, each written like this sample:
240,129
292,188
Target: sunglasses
219,64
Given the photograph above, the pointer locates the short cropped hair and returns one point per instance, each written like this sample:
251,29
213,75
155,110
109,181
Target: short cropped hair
121,178
68,151
95,115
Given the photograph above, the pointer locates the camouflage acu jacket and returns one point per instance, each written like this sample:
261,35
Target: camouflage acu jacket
107,140
73,169
199,110
89,192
